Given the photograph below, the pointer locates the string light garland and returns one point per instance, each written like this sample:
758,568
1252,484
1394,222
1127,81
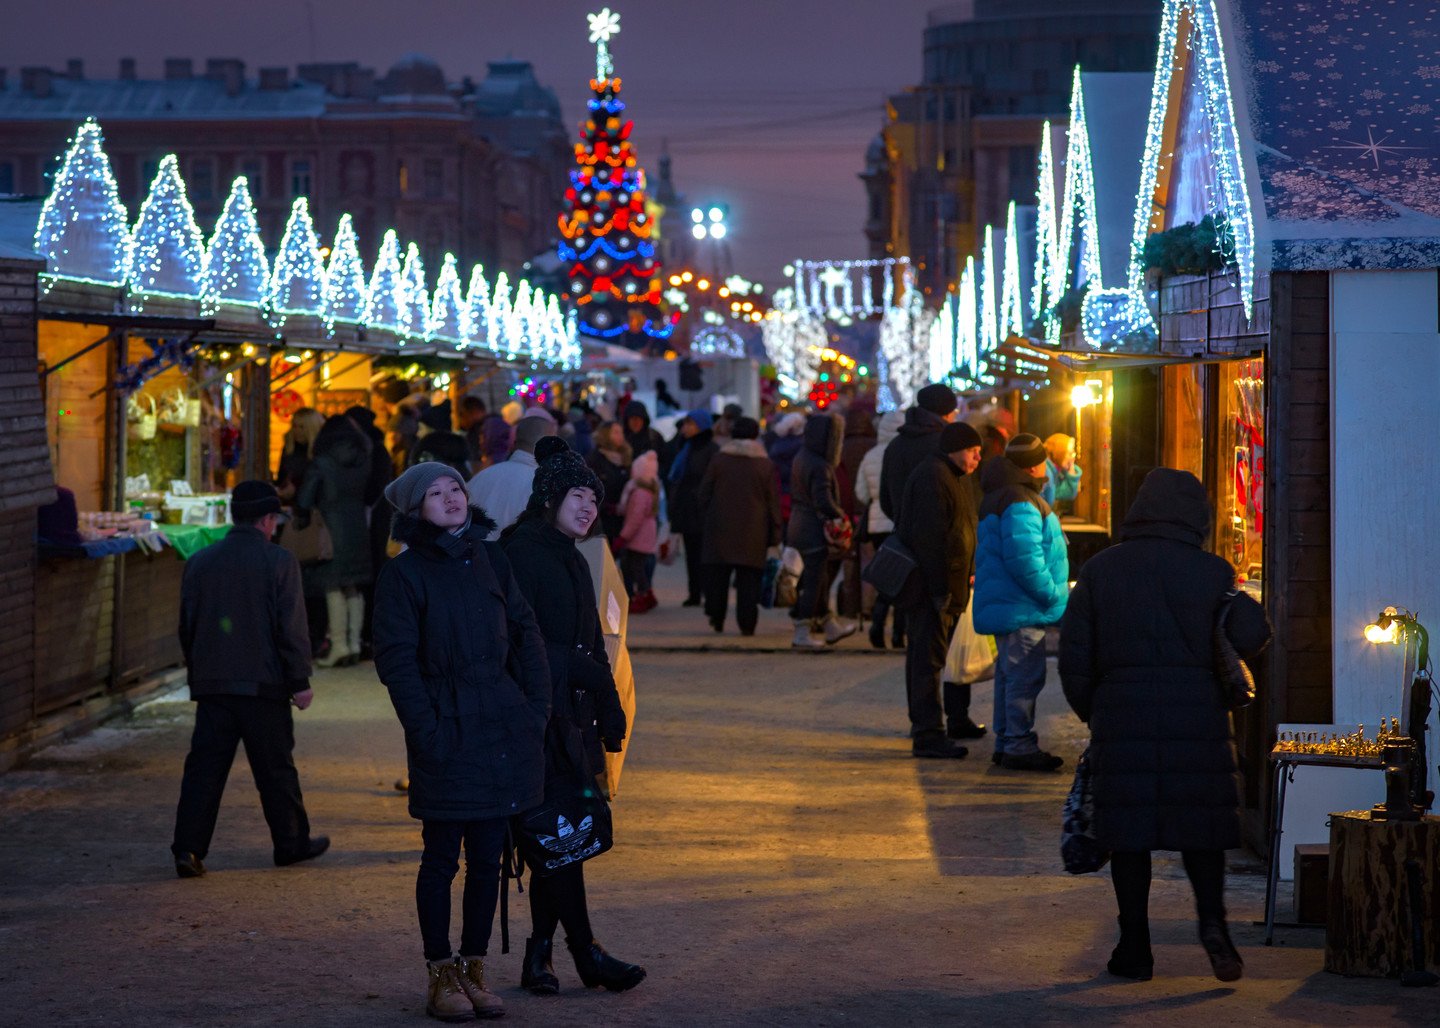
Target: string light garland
614,274
297,281
905,341
386,305
1212,81
1079,237
1012,304
792,334
167,253
1117,319
344,296
967,336
989,312
83,231
236,269
449,317
1045,291
717,341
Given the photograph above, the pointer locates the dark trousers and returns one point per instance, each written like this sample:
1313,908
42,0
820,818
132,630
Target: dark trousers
635,569
558,899
694,577
1130,875
268,731
929,641
812,600
439,863
747,594
848,596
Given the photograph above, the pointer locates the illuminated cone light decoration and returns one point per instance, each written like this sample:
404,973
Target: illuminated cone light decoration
167,252
84,228
607,250
477,306
385,303
448,318
297,283
236,270
415,317
344,298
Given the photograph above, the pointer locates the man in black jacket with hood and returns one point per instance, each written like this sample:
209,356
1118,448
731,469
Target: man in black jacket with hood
638,433
247,654
937,523
935,407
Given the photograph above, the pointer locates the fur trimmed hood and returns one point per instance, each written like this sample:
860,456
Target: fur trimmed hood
418,533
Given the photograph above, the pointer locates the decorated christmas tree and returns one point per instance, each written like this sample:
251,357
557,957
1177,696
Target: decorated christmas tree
385,302
415,318
297,283
448,317
84,229
344,298
521,324
498,321
236,270
614,273
167,254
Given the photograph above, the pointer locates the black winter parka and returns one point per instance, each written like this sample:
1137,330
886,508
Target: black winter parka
1137,663
457,645
814,491
917,439
938,523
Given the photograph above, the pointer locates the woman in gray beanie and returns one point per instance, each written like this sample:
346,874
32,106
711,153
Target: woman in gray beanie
457,646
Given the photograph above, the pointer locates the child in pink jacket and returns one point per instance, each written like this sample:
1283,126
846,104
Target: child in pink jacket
636,543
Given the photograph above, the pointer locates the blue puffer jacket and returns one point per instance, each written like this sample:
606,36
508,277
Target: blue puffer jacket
1021,567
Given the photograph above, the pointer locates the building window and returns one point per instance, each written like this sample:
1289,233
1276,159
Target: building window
299,178
434,178
403,178
254,172
202,179
7,176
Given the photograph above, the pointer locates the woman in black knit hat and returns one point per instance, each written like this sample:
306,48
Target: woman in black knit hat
586,719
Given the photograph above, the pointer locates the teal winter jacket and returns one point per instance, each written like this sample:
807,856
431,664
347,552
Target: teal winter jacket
1021,567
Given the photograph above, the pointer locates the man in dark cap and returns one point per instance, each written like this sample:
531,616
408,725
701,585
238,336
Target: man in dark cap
247,654
937,523
1021,587
935,407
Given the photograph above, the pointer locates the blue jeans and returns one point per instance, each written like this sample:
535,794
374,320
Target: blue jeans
1019,677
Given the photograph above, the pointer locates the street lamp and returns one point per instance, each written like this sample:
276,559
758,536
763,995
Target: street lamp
709,223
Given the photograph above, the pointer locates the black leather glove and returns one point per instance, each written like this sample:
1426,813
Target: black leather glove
612,744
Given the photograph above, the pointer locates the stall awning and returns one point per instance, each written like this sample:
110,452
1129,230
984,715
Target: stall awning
1104,360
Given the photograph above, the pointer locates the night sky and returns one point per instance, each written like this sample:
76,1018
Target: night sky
767,106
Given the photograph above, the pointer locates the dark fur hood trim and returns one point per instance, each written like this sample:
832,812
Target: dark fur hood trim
412,531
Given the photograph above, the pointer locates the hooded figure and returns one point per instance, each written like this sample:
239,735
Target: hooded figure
867,479
1137,663
785,442
815,499
638,432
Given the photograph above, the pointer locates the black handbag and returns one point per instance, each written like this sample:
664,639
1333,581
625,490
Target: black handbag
1237,684
891,569
573,823
1080,852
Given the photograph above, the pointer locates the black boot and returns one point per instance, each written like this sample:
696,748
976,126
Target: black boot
537,974
599,969
1224,957
957,713
1132,957
878,614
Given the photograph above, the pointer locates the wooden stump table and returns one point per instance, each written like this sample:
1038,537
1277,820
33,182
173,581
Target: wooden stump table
1371,908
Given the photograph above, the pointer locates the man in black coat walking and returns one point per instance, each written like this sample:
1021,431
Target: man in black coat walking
937,524
247,652
935,407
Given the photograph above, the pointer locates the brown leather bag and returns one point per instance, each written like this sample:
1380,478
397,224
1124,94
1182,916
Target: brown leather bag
311,544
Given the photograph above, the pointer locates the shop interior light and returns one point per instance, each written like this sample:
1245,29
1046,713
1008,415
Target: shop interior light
1088,394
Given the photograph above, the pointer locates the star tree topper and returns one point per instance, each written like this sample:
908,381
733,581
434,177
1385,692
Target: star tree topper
603,27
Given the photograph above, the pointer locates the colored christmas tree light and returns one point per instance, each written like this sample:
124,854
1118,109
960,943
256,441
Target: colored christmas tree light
415,318
167,253
344,298
385,299
83,231
236,269
477,307
607,248
297,283
449,317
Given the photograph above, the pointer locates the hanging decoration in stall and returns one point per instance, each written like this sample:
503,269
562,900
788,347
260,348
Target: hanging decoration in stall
164,354
167,254
236,269
83,231
607,250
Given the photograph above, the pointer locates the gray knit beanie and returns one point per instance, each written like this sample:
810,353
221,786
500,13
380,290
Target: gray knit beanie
408,491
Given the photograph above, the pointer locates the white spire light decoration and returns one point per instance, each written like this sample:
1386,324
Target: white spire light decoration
448,317
477,307
236,270
386,305
415,318
83,230
344,298
297,282
498,324
1045,291
167,253
1012,304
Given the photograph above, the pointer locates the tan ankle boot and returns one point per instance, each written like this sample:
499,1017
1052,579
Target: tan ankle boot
447,1000
472,980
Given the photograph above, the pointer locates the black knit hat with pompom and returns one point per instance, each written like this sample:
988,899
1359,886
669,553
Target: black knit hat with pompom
560,469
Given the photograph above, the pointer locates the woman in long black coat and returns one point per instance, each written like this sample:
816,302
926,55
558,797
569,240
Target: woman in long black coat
457,646
740,509
1137,662
814,500
338,484
587,718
